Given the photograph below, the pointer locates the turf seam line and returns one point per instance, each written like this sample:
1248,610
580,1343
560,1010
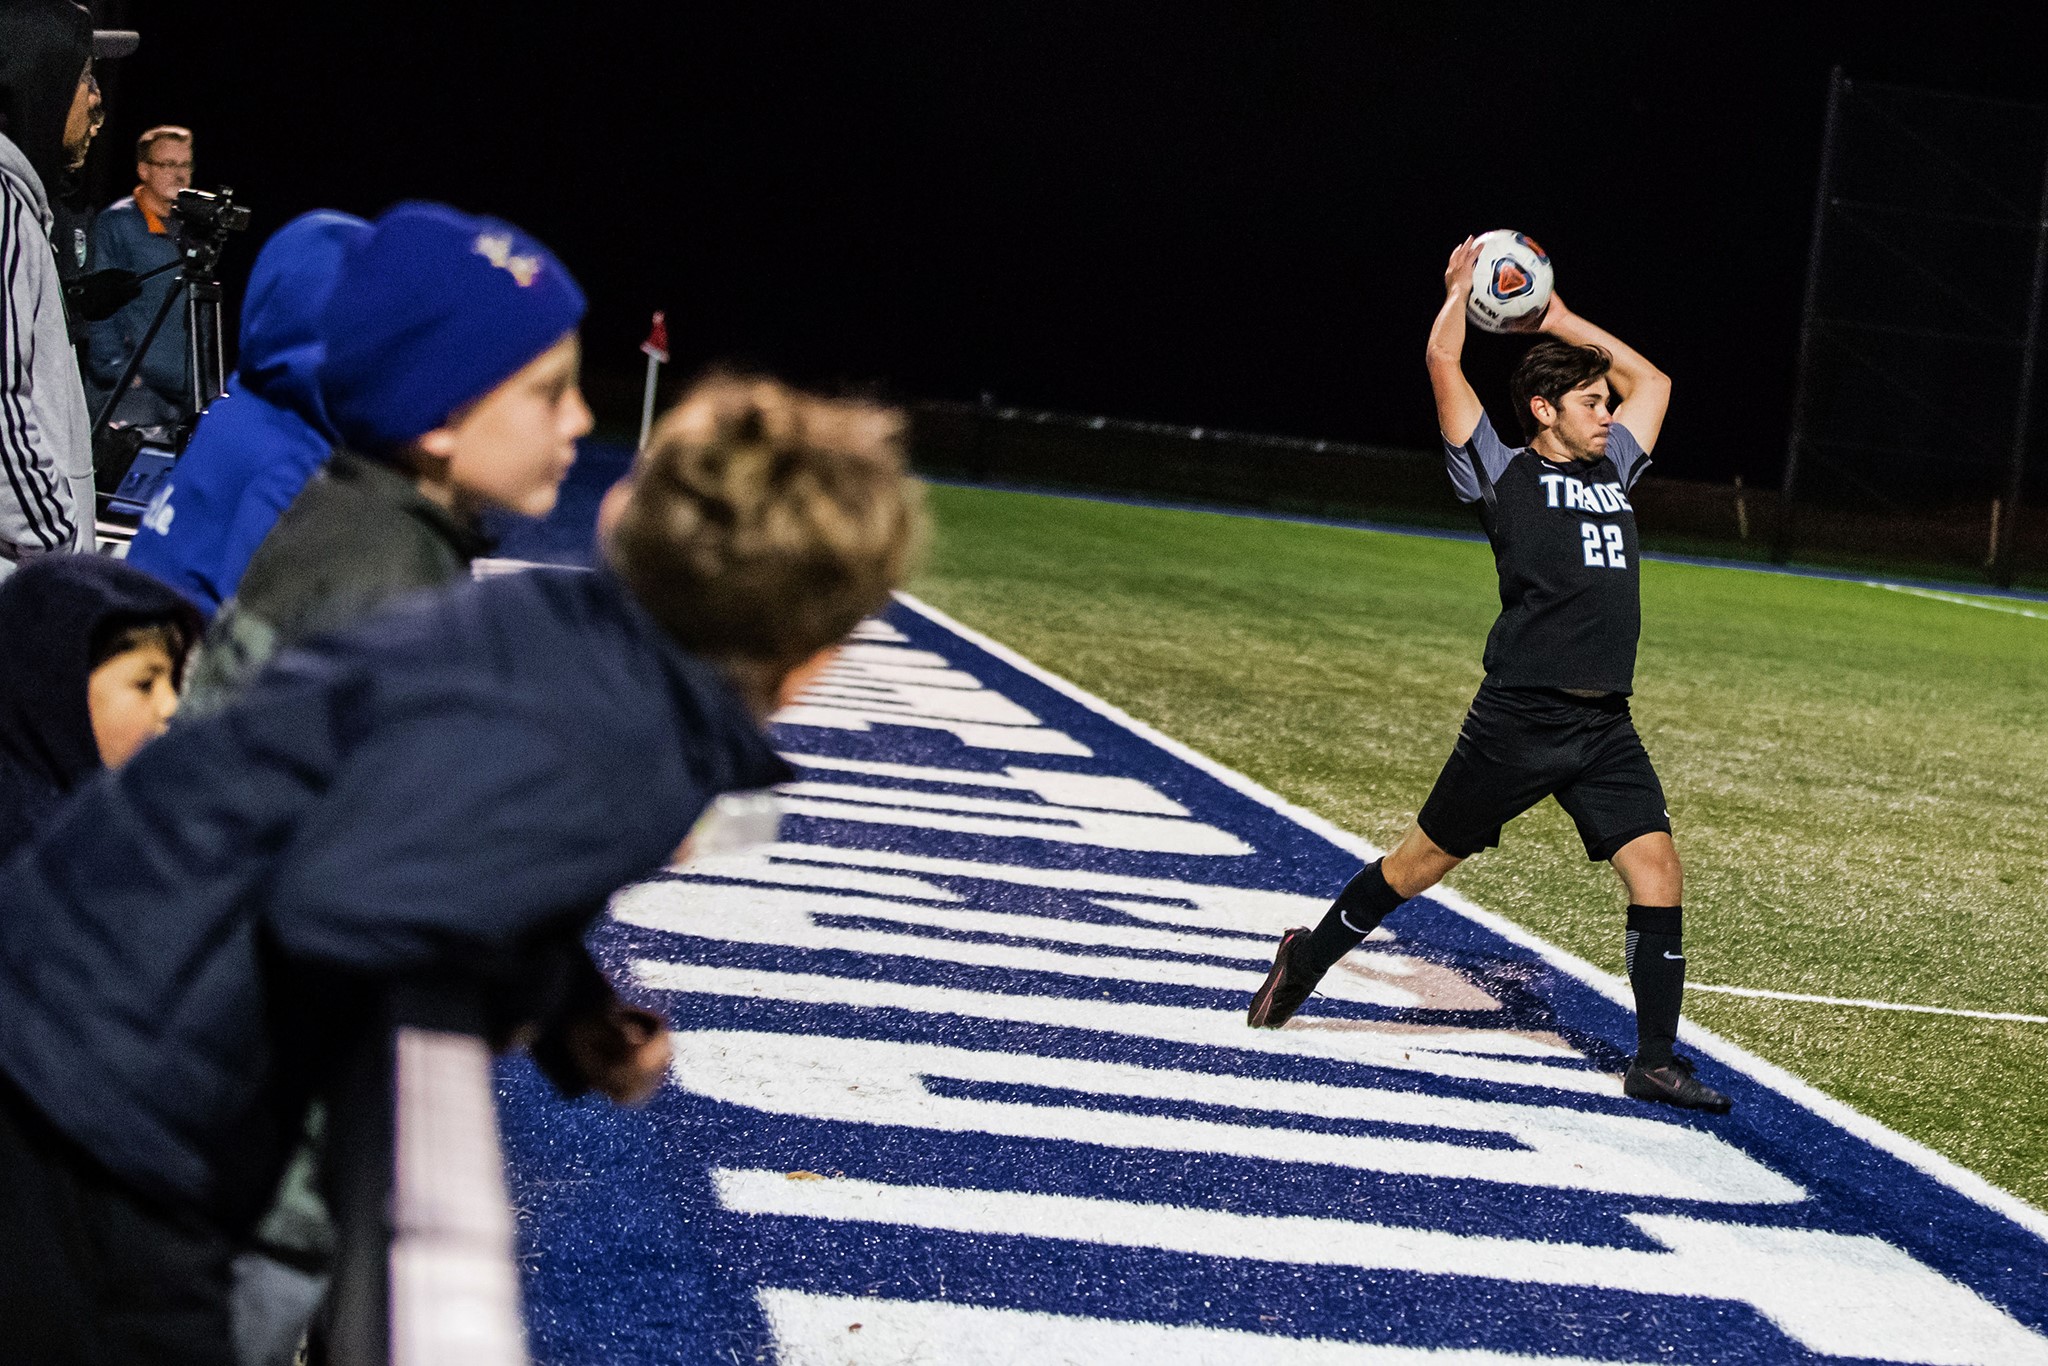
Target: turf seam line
1911,1151
1868,1004
1959,599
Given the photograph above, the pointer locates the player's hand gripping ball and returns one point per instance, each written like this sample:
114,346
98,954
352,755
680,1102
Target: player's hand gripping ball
1510,282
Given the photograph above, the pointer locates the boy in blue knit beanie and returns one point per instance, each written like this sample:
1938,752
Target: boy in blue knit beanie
450,374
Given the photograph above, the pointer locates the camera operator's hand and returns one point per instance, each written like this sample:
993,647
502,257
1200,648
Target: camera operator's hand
102,294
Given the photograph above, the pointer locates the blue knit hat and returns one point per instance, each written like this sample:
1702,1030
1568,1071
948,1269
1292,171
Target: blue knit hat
433,309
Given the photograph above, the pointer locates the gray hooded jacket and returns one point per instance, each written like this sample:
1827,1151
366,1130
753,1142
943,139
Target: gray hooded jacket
46,488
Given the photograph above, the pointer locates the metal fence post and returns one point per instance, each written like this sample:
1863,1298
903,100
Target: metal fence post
2005,550
1809,322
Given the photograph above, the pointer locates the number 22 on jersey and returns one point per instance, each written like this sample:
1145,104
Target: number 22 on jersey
1603,545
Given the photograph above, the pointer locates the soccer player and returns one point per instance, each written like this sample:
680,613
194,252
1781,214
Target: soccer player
1552,717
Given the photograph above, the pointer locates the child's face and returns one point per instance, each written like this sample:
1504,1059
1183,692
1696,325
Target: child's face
131,698
512,447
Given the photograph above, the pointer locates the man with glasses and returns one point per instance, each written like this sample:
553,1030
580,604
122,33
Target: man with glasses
138,234
48,113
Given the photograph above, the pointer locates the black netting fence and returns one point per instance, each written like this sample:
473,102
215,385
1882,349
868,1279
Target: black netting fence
1020,447
1915,428
1916,439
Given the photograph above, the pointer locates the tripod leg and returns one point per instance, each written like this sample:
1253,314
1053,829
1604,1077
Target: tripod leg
99,424
206,359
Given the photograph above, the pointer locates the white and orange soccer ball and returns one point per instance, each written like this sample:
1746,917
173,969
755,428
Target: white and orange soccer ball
1510,281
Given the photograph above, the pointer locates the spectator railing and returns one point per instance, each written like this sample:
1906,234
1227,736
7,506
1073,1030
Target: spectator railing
426,1270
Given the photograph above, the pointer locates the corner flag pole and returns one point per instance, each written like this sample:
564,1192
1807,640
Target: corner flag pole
656,348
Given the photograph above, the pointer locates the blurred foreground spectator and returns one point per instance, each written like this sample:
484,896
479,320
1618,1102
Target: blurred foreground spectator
255,448
94,653
447,350
200,945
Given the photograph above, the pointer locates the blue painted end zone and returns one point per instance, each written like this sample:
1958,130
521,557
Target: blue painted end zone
631,1256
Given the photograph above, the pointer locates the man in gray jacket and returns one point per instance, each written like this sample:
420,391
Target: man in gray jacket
47,99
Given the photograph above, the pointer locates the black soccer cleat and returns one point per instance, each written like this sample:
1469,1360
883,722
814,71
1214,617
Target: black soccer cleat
1673,1084
1285,987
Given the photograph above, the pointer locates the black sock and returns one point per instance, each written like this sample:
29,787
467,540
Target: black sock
1656,969
1361,906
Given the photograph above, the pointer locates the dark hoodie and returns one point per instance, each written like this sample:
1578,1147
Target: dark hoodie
456,786
46,491
44,46
51,611
256,448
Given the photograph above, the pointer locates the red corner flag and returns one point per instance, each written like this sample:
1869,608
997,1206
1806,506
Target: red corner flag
656,345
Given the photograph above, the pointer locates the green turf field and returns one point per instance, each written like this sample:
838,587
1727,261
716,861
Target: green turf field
1859,777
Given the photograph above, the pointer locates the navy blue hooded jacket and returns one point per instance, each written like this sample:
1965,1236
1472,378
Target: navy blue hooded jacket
256,448
457,784
53,611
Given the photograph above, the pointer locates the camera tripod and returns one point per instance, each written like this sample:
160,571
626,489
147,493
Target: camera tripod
206,224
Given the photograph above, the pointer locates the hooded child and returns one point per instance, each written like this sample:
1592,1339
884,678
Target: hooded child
47,104
94,654
449,372
255,448
452,790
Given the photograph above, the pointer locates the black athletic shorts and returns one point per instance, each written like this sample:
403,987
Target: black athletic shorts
1520,745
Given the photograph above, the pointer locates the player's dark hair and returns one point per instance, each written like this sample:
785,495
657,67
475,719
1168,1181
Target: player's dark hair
1550,370
764,523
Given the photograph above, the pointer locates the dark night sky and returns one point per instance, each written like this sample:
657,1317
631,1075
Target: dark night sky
1233,216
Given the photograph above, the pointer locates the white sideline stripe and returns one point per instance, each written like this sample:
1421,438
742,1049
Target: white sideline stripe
749,916
1443,1052
849,1330
1868,1005
1836,1294
1910,1151
887,1083
1958,599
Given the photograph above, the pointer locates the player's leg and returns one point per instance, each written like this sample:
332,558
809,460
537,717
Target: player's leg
1655,954
1654,947
1488,780
1618,805
1417,864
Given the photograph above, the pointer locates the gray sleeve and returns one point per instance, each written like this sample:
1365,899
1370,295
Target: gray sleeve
1628,455
36,507
1475,466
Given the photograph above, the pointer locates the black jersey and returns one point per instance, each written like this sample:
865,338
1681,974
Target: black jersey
1564,542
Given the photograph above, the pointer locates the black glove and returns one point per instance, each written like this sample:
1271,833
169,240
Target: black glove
102,294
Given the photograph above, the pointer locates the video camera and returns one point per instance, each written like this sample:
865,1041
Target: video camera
207,217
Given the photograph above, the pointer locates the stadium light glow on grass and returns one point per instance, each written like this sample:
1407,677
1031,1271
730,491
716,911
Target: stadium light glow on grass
1858,778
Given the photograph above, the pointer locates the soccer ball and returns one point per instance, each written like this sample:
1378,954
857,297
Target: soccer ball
1510,281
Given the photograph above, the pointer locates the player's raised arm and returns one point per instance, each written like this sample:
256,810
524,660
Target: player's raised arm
1458,409
1641,390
